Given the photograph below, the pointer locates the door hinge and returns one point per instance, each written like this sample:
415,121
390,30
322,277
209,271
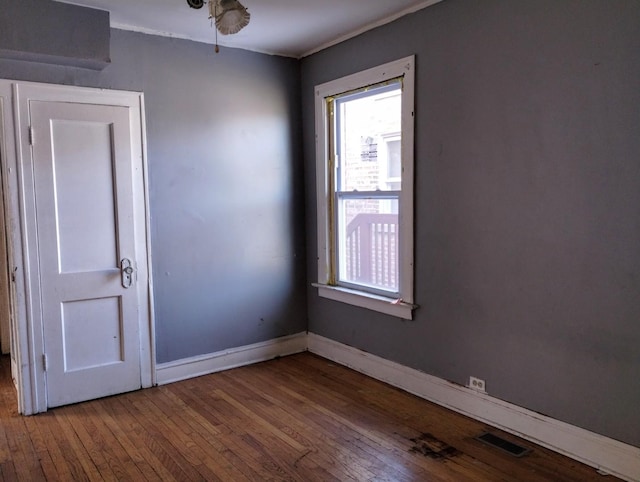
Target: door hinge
44,362
30,135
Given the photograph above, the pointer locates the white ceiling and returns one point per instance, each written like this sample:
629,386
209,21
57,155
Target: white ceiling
293,28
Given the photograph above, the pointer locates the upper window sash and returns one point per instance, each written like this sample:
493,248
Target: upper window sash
383,91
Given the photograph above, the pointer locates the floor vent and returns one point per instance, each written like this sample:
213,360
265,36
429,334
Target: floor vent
502,444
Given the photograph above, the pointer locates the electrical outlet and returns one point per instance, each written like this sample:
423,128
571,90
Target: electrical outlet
477,384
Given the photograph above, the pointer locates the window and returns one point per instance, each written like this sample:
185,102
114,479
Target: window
364,132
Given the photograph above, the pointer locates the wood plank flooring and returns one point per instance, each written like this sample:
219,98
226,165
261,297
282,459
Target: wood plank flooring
299,418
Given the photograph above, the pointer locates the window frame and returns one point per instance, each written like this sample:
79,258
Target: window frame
402,305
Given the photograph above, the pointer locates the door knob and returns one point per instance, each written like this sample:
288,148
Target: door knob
126,272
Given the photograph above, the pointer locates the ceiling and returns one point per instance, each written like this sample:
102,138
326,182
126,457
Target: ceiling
292,28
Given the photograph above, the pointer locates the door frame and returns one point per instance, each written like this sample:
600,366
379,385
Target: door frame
5,288
18,187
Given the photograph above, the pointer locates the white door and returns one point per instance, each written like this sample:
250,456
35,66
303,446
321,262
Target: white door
84,208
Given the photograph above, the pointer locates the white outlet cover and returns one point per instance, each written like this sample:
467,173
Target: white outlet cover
477,384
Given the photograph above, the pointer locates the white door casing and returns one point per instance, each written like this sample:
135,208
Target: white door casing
70,288
11,194
5,312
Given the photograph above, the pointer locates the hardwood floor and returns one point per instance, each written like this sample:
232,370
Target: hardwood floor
299,418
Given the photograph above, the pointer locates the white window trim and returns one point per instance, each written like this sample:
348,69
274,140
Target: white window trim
401,307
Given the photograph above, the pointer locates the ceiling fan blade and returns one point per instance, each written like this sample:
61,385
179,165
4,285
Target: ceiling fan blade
231,17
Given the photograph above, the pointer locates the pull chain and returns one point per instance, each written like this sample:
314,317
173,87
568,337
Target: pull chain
213,14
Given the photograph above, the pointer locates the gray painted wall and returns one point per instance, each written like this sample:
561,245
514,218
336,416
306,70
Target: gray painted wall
527,223
225,182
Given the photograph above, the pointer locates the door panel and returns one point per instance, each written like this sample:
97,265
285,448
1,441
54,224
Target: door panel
85,222
92,333
86,228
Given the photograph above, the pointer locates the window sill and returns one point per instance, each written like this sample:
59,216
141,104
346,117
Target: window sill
382,304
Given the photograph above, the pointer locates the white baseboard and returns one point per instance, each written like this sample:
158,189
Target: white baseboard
214,362
603,453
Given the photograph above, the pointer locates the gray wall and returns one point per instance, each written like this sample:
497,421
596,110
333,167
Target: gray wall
527,224
225,181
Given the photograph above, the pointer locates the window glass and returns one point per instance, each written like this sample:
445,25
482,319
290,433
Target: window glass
368,235
362,123
367,149
394,165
